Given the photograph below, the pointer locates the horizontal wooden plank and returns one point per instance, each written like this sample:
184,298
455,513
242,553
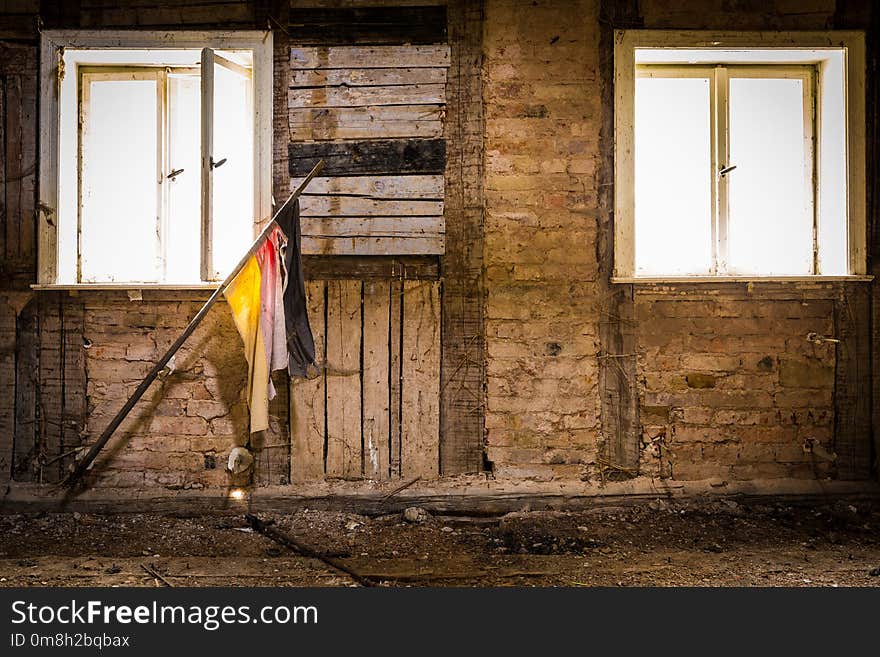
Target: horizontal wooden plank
376,187
335,206
369,157
349,246
382,122
322,267
345,25
373,226
363,96
365,77
370,57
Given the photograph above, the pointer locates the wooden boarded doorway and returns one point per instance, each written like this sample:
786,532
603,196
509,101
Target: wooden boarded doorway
373,412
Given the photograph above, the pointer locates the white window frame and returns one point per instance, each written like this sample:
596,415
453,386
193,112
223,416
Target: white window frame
51,45
812,49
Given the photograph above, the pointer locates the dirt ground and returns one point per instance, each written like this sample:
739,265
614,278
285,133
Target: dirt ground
722,543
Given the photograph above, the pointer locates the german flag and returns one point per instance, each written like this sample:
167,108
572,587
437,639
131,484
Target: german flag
267,299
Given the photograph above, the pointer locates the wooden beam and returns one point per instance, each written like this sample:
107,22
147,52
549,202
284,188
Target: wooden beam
368,25
376,157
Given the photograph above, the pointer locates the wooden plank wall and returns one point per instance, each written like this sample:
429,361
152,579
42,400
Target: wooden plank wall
50,403
374,113
366,92
373,410
18,156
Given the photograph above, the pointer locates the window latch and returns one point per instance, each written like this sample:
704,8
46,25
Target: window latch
726,170
217,165
174,174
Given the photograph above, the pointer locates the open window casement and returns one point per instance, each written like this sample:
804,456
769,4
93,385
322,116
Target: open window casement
227,153
157,168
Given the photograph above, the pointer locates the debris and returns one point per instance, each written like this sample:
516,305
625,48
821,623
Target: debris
447,530
240,460
151,569
730,506
658,505
874,572
113,570
246,530
351,525
290,542
415,514
400,488
717,482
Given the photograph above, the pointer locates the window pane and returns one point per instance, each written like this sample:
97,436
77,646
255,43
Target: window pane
771,223
673,176
183,227
233,182
119,190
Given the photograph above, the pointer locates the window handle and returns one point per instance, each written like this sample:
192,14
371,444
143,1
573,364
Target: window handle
174,174
724,171
217,165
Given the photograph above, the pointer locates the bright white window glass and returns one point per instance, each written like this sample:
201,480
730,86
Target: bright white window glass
832,196
673,176
233,182
770,217
182,228
119,240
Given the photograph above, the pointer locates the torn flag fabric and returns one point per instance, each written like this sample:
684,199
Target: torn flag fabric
268,289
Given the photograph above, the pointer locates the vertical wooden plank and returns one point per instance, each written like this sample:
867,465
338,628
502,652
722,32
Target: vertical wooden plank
4,216
395,325
376,377
420,393
344,439
852,407
25,449
50,391
13,167
74,395
463,374
307,400
27,241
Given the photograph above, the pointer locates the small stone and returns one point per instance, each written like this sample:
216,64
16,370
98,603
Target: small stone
415,514
658,505
351,525
447,530
77,515
874,572
112,570
717,482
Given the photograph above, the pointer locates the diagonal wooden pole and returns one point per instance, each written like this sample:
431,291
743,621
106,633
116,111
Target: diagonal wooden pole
93,452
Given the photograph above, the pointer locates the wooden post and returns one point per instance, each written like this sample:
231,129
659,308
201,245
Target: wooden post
93,452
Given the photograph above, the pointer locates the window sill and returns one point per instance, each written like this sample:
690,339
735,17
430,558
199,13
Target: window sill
79,287
671,280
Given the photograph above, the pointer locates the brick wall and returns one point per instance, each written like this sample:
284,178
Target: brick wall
730,386
727,383
542,112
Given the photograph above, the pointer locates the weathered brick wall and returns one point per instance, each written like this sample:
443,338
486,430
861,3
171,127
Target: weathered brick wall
730,386
180,433
727,384
541,107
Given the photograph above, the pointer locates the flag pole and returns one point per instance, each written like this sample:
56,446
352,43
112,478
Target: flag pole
95,449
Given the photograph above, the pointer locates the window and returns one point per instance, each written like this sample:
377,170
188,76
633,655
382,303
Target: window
738,161
157,166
